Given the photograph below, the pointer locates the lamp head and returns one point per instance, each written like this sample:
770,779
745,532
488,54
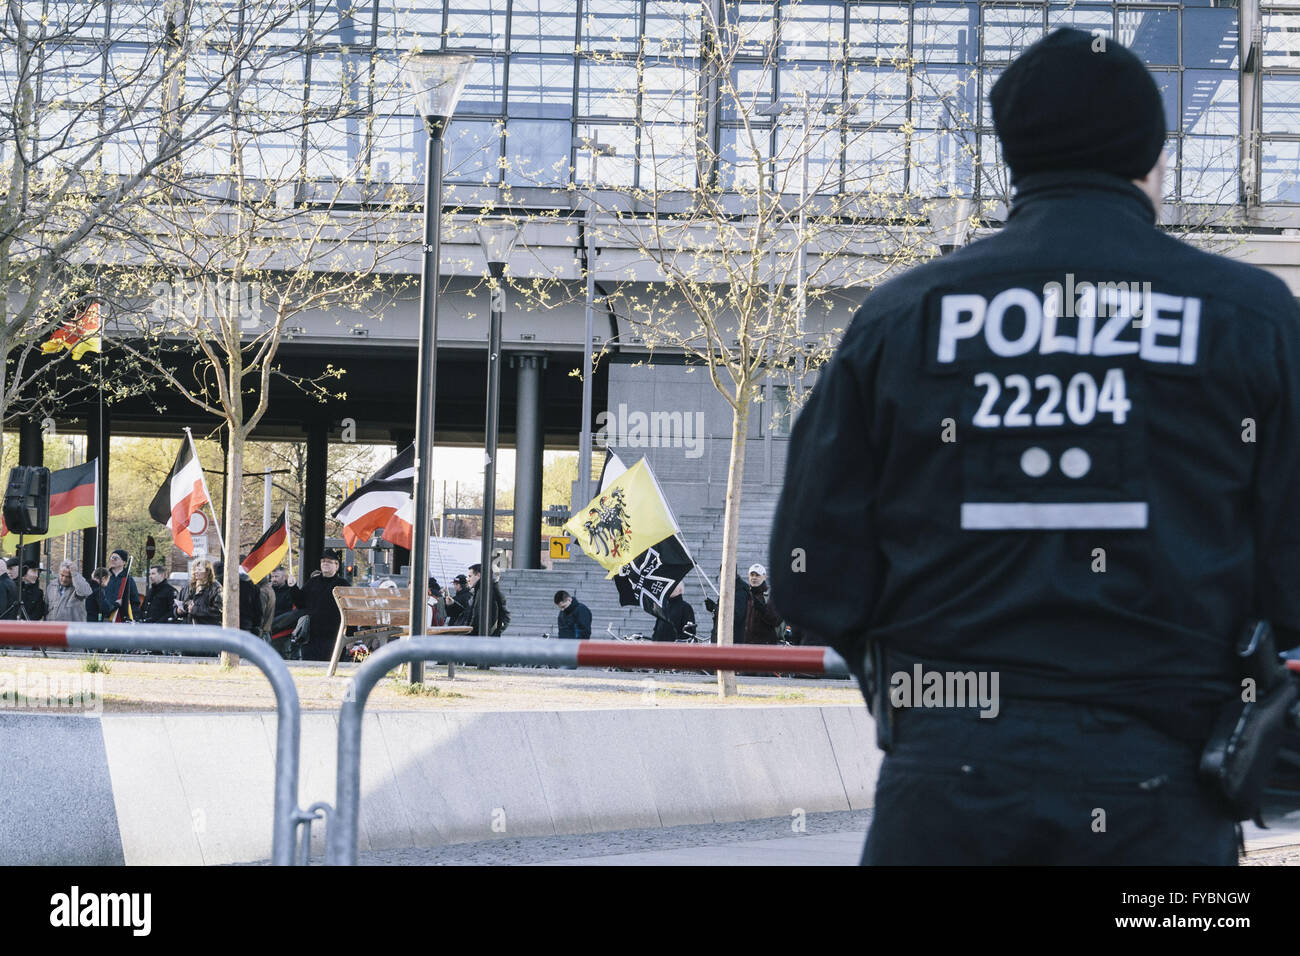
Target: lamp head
437,80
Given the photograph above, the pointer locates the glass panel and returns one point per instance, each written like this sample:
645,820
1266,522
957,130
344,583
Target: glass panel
484,88
282,24
874,161
205,75
994,177
72,73
537,152
140,20
1008,30
667,158
335,148
782,410
1168,84
276,84
1281,95
877,31
1151,34
608,88
943,164
339,82
812,31
126,148
672,28
749,27
394,144
219,20
817,84
211,155
472,152
541,86
543,26
878,94
1210,38
343,22
946,33
945,97
740,156
753,91
401,21
822,147
615,171
669,93
1280,172
1282,39
477,24
1083,16
988,79
1209,169
610,25
1210,102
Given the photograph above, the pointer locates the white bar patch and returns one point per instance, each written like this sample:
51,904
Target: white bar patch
1046,516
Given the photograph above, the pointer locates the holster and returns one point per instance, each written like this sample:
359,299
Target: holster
876,686
1247,734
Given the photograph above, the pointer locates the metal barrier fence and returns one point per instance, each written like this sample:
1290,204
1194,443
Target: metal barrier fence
341,830
199,639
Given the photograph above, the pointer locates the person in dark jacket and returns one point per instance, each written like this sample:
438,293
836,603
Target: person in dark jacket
282,586
31,595
573,622
121,588
678,623
458,602
98,606
496,619
316,597
202,600
250,604
1061,460
9,592
761,619
159,598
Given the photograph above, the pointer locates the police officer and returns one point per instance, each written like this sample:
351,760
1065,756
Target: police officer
1052,475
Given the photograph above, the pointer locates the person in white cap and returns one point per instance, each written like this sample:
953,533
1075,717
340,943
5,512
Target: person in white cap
761,619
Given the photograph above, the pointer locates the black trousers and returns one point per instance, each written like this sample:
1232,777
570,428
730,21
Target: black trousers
1043,783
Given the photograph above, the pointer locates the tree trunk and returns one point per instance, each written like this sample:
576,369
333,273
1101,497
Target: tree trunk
731,532
234,514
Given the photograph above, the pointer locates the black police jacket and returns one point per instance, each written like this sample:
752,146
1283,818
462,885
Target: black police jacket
1068,452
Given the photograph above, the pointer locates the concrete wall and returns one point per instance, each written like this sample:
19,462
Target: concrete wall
196,789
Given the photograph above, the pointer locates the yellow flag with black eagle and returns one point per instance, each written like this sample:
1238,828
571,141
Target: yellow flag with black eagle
625,518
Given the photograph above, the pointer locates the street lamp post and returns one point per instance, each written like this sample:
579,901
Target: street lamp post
437,80
589,233
497,237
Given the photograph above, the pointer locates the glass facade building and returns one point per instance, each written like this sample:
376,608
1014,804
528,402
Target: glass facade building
900,89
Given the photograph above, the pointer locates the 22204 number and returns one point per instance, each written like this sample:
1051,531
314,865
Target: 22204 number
1084,400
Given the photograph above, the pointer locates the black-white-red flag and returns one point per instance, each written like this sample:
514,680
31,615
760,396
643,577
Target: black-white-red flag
183,493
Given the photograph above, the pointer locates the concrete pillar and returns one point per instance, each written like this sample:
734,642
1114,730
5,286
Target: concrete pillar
529,441
94,546
313,522
402,437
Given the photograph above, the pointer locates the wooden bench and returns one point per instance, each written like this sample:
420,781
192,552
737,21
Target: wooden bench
381,615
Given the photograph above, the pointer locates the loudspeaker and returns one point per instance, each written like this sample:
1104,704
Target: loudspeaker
27,500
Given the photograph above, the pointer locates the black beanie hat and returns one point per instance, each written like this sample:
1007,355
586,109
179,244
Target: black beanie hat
1078,101
121,553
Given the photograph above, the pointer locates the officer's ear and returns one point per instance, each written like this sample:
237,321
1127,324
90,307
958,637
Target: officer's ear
1153,183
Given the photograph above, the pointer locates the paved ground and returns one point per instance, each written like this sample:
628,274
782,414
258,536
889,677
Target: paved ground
154,684
828,839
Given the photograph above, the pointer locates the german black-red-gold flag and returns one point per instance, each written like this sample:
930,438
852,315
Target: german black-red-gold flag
73,505
265,556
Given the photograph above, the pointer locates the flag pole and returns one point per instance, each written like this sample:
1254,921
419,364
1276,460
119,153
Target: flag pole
207,494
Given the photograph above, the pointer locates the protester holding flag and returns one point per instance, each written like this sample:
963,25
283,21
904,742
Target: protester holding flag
678,621
122,592
316,597
66,597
